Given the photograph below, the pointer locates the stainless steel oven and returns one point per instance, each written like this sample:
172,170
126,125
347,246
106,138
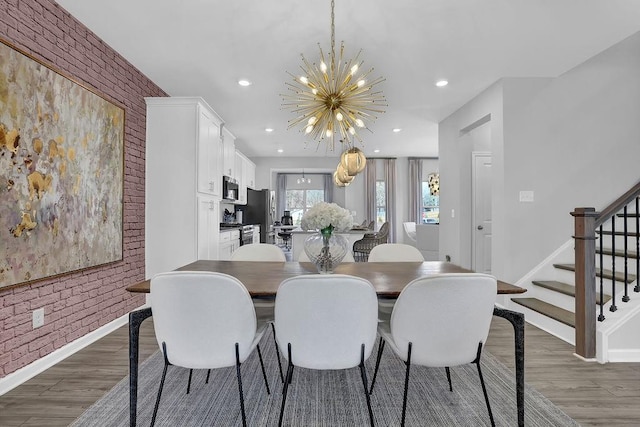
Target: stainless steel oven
246,235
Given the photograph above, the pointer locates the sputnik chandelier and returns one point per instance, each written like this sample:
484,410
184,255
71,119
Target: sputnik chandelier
334,97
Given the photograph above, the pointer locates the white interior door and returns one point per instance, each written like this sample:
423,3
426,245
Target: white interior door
481,216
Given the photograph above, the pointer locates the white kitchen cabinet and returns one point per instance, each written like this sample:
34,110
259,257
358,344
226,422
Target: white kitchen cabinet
249,173
229,157
229,241
256,234
242,183
181,204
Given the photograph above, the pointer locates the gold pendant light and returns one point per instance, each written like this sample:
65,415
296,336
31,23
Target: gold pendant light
353,161
333,96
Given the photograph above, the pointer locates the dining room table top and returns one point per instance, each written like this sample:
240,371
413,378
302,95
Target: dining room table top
263,278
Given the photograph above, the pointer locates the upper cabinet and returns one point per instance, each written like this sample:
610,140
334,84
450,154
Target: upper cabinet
209,154
249,173
242,184
229,157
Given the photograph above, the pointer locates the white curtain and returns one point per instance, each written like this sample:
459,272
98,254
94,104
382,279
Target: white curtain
370,190
415,190
390,196
328,187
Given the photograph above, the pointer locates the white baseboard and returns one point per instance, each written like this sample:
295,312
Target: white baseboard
24,374
628,355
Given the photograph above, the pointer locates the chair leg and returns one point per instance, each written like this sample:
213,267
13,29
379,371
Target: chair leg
189,382
273,328
208,374
264,374
285,387
164,374
363,374
244,417
375,371
484,388
406,386
449,378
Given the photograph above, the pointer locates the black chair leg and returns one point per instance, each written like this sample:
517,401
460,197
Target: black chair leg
164,374
449,378
375,371
244,417
285,387
189,382
264,374
208,374
406,386
484,388
363,374
273,328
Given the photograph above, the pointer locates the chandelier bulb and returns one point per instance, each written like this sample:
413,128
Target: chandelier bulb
361,83
314,91
308,129
354,69
329,133
352,131
312,120
359,123
304,80
339,116
323,67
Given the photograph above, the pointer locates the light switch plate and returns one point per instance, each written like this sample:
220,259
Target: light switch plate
526,196
38,318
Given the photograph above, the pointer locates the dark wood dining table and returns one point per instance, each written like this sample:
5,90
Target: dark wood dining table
263,278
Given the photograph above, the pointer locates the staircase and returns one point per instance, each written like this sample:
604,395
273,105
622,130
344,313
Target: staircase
605,268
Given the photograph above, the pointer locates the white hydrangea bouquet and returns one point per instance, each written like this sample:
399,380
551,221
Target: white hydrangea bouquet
326,217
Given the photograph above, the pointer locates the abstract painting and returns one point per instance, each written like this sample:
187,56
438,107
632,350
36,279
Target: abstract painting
61,172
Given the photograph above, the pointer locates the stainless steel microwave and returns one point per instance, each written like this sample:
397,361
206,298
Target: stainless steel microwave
229,188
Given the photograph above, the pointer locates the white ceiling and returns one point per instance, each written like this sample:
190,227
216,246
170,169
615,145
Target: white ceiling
203,47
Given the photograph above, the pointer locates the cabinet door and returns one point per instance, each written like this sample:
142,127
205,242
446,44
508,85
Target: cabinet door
208,227
242,184
249,171
209,176
229,161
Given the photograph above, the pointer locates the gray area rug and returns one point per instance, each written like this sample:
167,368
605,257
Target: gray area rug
324,398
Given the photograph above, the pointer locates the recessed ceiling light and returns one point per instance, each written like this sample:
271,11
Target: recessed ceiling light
268,129
396,130
280,150
442,83
244,82
376,150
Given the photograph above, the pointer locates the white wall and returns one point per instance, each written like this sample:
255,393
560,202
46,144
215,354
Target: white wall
574,140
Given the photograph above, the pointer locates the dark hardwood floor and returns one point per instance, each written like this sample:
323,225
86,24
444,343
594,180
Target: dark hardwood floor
593,394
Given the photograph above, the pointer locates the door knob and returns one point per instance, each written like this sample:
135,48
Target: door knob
480,227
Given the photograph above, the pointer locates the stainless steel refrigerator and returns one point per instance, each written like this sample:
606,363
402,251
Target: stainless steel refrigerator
259,210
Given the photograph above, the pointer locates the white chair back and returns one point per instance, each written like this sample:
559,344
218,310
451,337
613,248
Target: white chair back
445,317
200,316
395,252
326,318
410,229
347,258
258,252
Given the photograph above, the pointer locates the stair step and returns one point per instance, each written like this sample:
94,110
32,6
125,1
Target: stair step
549,310
565,288
607,274
607,251
619,233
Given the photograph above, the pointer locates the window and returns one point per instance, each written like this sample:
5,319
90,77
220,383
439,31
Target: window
381,203
430,205
299,201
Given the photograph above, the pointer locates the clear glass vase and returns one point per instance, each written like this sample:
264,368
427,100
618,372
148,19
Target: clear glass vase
326,249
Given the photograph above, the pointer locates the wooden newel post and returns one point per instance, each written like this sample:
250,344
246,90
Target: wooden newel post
585,281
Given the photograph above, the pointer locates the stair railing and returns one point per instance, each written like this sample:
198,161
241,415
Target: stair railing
588,224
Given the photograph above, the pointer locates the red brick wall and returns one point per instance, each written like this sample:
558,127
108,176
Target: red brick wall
78,303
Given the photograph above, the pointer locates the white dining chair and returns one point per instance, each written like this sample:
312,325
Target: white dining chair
305,258
258,252
204,320
326,322
395,252
392,252
440,321
410,229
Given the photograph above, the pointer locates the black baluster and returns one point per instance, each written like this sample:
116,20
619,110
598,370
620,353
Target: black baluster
637,287
625,298
601,315
613,265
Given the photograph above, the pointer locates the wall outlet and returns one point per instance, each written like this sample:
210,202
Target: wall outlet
38,318
526,196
